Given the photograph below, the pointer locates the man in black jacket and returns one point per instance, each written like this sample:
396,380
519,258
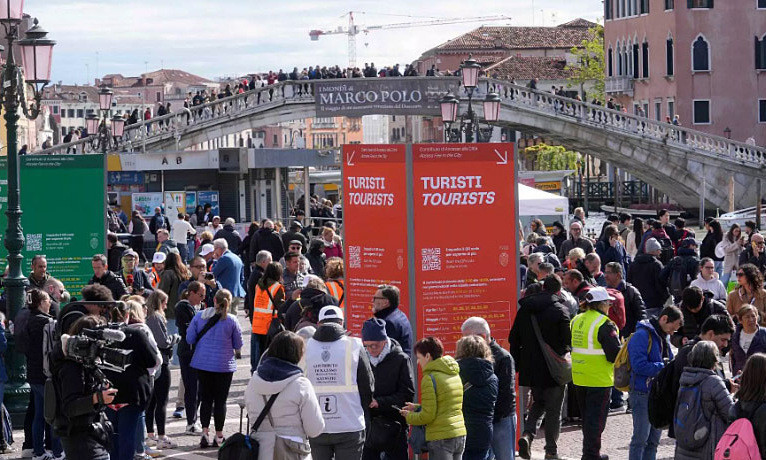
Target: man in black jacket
262,259
696,308
295,234
504,419
755,253
185,311
102,276
267,239
635,310
644,274
553,321
394,387
682,269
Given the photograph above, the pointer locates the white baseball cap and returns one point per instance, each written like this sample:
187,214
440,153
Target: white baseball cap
598,294
159,258
330,312
307,278
206,249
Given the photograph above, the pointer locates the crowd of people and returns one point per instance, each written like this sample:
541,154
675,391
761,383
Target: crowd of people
644,309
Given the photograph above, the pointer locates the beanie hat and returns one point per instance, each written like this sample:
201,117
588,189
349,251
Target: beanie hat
652,245
374,330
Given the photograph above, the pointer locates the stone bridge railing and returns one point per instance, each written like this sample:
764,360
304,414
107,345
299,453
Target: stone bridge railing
136,136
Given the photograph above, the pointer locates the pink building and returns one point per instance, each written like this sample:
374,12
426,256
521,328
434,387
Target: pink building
700,60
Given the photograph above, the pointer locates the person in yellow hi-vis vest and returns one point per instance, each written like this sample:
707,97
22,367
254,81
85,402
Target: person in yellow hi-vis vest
333,272
269,296
595,344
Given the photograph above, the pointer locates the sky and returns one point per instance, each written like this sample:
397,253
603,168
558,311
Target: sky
223,38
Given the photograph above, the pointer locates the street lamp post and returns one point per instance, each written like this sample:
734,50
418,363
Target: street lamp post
102,136
36,55
469,121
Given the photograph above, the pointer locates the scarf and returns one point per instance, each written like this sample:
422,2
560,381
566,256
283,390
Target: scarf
386,350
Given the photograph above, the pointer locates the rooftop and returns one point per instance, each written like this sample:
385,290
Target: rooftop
529,67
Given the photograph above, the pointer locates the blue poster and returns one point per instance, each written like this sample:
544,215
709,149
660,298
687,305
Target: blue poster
205,197
191,202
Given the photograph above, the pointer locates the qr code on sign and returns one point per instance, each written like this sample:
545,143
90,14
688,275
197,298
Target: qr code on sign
355,256
34,241
432,259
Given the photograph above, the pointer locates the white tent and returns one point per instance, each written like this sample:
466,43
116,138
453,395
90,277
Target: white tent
534,202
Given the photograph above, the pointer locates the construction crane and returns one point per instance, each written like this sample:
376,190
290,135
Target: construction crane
353,29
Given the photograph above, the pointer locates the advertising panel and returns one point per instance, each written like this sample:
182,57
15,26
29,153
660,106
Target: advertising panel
209,197
459,272
175,202
393,96
375,203
145,202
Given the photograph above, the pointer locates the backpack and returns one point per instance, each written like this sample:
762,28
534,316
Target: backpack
622,365
678,281
738,442
667,252
691,426
662,397
49,342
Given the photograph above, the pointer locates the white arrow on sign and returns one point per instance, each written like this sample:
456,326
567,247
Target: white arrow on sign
503,158
350,157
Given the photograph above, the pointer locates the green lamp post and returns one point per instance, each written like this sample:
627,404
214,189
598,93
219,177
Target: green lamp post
36,54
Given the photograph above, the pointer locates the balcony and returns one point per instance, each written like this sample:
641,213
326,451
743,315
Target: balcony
621,85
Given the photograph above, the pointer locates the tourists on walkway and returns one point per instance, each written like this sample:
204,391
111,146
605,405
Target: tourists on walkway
610,249
552,318
180,233
197,267
696,308
334,274
441,401
595,344
593,265
751,397
229,271
682,269
332,242
294,234
156,305
480,389
559,236
644,274
157,222
394,387
576,240
267,239
215,335
165,244
708,280
295,415
755,253
192,302
634,238
748,339
269,296
292,278
262,260
304,311
316,257
749,290
712,238
330,356
102,275
700,384
136,280
732,245
230,234
646,362
171,277
385,305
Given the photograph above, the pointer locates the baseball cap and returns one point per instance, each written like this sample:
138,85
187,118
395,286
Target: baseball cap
330,312
296,242
296,224
159,258
206,249
130,253
652,245
307,278
598,294
687,242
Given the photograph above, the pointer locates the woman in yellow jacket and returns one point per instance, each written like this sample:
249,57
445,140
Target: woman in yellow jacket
441,407
269,296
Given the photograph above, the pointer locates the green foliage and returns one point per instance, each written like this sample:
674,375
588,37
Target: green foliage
590,67
544,157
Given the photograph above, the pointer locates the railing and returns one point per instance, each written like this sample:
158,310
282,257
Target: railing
618,85
630,190
514,96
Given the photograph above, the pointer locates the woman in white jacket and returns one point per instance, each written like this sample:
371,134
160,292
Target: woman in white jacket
295,415
732,245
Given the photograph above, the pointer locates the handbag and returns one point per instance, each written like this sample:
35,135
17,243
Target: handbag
276,326
720,249
382,434
417,439
559,366
245,447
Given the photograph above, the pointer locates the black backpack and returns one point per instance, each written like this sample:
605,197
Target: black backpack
662,397
678,281
667,252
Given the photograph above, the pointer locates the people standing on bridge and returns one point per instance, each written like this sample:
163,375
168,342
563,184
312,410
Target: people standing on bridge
576,240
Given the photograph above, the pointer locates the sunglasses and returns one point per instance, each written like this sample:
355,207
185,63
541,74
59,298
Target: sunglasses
739,274
710,267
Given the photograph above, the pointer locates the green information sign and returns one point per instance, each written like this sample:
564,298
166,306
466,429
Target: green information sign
63,199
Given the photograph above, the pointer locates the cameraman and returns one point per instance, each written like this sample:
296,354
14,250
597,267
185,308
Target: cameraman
80,421
212,286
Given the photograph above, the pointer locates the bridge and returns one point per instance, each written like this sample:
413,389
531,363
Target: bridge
681,162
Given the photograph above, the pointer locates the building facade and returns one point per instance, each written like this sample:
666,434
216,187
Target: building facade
700,60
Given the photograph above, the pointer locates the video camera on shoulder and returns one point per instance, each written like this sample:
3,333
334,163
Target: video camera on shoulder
93,348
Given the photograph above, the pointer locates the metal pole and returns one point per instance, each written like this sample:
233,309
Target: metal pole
702,199
278,200
306,197
758,206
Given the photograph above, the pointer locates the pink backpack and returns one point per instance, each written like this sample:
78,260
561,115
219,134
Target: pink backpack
738,442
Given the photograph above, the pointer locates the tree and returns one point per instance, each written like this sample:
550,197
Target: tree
589,67
544,157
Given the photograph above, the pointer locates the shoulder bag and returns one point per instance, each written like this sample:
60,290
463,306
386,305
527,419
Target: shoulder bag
417,439
288,449
209,325
559,366
245,447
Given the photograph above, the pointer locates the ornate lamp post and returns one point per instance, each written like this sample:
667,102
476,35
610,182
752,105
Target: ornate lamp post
36,57
469,121
102,139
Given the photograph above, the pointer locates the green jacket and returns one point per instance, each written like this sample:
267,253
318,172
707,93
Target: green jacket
441,412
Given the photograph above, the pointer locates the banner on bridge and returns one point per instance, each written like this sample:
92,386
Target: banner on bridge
413,217
390,96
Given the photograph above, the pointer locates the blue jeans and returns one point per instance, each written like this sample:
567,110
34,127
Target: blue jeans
189,250
183,251
256,350
646,438
504,438
725,280
38,424
173,329
718,267
125,422
140,445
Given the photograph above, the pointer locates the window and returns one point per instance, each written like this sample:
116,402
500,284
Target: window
158,95
619,60
762,111
671,109
80,113
644,6
699,3
646,109
70,113
700,55
55,110
761,3
669,56
276,140
702,112
658,110
63,131
645,59
760,53
635,60
669,4
63,113
607,9
89,112
609,62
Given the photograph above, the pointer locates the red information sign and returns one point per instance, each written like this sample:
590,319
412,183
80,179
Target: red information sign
465,234
375,226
